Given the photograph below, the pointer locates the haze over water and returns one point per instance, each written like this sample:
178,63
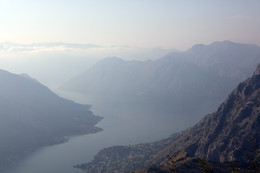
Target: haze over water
120,128
53,41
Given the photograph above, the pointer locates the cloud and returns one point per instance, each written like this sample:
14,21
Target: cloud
20,52
43,47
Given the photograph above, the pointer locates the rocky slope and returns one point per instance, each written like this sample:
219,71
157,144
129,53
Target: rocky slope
32,116
227,136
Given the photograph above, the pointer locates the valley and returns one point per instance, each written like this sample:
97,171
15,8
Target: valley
132,104
114,86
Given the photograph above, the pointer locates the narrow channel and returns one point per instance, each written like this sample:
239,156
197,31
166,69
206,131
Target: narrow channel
120,128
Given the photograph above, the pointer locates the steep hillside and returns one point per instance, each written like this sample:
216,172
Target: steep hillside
108,76
225,135
228,136
234,60
32,116
185,85
201,66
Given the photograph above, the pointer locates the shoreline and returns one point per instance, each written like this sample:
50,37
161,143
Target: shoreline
13,160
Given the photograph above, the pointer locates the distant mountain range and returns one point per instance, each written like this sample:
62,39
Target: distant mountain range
225,141
33,59
32,116
169,74
182,84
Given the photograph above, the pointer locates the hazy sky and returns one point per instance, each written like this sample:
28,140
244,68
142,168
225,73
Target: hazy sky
144,23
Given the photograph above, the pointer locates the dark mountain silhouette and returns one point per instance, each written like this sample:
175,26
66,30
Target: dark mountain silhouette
227,140
32,116
181,84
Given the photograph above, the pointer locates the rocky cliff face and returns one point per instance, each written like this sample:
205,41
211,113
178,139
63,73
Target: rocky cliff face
223,137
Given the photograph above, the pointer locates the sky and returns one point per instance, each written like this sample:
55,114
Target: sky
144,23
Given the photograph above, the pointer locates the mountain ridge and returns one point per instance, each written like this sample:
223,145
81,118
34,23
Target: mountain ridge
185,85
32,116
222,138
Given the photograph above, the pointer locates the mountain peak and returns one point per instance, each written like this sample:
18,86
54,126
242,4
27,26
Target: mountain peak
221,45
225,42
217,45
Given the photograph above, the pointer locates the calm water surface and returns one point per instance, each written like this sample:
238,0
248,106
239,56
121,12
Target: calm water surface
120,128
